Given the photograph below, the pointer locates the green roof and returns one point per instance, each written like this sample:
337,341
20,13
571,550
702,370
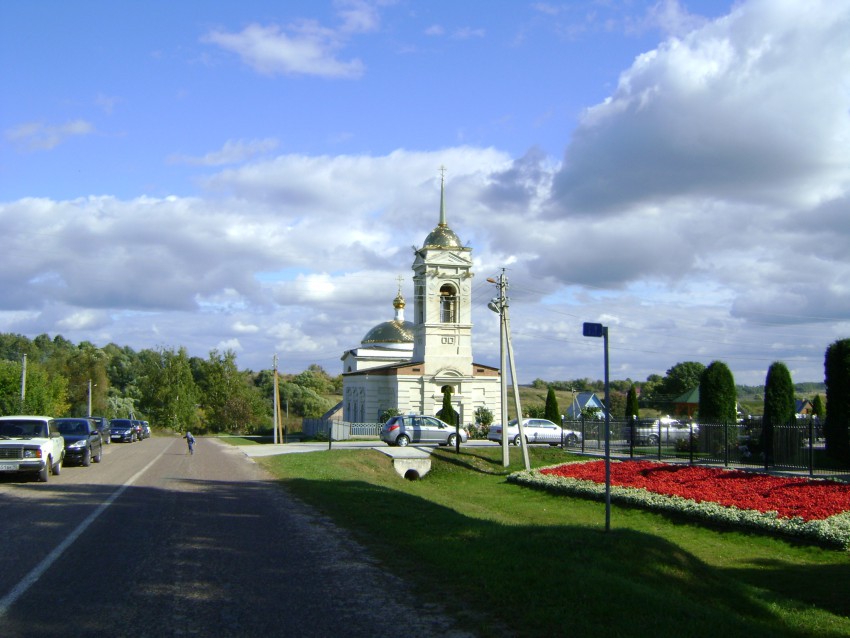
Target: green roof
691,396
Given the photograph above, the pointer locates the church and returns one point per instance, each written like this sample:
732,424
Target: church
406,365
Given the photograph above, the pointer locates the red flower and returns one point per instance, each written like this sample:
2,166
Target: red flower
787,496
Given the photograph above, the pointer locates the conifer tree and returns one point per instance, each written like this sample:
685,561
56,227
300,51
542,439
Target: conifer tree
837,378
778,405
717,394
632,409
552,412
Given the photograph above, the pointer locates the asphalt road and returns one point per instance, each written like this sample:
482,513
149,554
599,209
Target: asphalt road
154,542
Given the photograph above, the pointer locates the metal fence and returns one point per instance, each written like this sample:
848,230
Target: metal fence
341,430
795,447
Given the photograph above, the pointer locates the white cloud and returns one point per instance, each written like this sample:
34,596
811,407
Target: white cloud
245,328
308,49
233,152
752,107
229,344
38,136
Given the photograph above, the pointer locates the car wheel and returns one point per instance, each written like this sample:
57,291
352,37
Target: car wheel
402,440
87,458
97,457
517,440
452,440
57,468
42,474
572,440
652,439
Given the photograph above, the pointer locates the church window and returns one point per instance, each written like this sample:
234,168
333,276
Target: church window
419,301
448,304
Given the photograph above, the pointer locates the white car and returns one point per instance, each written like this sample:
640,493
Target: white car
31,444
536,431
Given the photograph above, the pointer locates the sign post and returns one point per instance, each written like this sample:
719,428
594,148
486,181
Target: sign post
598,330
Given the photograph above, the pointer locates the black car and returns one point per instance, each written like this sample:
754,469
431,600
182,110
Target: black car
82,440
102,425
122,430
140,431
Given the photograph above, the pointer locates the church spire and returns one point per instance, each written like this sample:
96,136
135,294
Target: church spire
442,236
443,196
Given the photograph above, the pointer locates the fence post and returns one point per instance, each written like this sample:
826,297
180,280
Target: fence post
767,431
691,443
725,444
583,432
811,447
330,434
659,438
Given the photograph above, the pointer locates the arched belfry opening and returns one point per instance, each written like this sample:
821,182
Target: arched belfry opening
448,304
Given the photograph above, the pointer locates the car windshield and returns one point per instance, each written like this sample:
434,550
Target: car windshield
72,427
24,429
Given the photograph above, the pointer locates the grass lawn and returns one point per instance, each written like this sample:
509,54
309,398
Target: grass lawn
537,564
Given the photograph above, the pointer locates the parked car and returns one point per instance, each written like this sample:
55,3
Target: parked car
82,440
122,430
31,444
653,431
416,428
146,430
137,426
102,425
536,431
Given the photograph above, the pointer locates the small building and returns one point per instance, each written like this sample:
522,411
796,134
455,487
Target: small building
687,404
803,408
585,401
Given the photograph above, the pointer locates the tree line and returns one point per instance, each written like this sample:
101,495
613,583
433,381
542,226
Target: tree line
165,385
173,390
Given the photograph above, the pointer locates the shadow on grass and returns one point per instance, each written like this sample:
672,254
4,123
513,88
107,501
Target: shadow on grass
469,460
542,579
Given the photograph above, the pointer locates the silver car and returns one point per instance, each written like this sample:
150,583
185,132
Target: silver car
416,428
664,430
536,431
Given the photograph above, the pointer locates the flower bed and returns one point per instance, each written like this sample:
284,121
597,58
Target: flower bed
806,508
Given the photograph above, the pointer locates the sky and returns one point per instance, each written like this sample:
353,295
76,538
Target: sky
253,176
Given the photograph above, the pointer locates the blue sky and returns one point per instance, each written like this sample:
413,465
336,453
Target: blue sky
251,176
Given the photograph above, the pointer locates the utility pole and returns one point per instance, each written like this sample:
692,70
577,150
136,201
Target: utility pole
500,305
276,403
515,381
23,381
496,305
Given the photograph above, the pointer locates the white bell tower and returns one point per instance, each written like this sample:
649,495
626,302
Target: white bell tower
442,284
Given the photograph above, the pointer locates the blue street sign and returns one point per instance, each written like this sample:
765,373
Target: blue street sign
593,330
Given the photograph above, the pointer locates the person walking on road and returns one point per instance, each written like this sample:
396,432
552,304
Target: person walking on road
190,440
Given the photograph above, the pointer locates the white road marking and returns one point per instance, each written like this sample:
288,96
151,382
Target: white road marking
27,581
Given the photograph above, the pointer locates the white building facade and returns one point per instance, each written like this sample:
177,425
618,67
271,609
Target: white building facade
407,364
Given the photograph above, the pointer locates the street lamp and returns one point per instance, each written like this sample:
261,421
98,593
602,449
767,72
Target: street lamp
598,330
